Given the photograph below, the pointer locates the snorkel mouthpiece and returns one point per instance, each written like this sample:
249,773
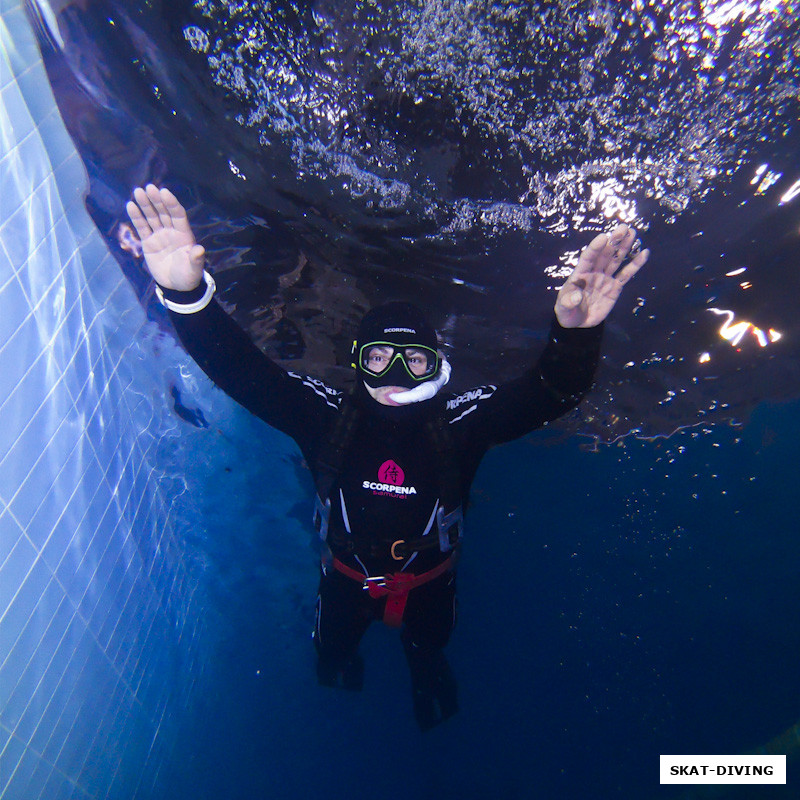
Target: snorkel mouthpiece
425,391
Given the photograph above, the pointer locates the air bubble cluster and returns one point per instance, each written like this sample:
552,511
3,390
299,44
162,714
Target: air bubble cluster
568,114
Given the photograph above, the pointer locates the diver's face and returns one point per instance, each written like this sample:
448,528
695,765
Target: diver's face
378,359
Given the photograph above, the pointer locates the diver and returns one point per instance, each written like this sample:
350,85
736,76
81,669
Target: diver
392,459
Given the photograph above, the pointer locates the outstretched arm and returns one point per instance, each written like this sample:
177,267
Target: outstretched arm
565,370
594,287
223,351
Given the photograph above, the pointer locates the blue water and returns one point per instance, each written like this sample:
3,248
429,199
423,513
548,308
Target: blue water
617,602
614,606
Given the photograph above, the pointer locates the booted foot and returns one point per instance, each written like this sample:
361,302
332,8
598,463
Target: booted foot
433,687
337,675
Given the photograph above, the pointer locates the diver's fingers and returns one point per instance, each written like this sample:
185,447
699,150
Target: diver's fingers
197,256
590,255
138,219
144,199
156,198
620,233
631,268
176,212
622,238
594,249
619,245
606,251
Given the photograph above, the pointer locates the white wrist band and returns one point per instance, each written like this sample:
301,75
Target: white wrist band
189,308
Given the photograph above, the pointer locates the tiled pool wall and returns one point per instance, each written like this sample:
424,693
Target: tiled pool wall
101,636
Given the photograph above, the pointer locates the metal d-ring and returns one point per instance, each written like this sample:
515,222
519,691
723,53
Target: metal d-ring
392,551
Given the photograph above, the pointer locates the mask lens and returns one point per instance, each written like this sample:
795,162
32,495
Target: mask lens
377,358
420,362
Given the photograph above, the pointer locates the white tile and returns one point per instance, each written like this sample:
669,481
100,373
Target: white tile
16,310
14,571
14,115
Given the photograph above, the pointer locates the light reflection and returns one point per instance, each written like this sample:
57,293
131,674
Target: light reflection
308,87
569,260
764,178
722,12
606,195
734,332
769,179
759,173
791,193
236,171
128,240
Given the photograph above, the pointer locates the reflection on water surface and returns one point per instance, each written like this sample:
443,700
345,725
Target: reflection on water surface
336,154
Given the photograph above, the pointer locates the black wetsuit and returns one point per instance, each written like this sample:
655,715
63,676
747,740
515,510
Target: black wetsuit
388,484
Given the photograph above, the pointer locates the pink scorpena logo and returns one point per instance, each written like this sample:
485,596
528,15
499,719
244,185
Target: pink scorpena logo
390,472
390,481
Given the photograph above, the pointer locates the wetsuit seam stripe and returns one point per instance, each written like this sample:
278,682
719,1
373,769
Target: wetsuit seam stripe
321,394
306,381
432,517
411,558
361,563
463,414
345,518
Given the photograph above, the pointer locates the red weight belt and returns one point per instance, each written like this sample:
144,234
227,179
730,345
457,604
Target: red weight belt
394,588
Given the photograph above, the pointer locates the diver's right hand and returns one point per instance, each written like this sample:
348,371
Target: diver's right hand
173,257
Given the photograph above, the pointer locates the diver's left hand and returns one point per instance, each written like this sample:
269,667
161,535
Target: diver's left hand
594,287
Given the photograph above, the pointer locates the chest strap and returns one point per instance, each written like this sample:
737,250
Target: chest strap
394,588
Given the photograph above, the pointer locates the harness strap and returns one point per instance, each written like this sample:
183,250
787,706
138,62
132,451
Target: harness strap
449,526
394,588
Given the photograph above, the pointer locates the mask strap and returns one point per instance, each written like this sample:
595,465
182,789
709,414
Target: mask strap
427,390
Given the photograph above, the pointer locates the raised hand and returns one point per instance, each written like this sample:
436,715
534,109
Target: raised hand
594,287
173,257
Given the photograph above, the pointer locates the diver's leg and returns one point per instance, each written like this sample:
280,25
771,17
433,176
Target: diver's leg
429,618
341,620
